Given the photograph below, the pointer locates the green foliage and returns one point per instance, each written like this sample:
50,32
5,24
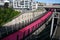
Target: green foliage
6,15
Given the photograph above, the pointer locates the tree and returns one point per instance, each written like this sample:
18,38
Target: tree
6,5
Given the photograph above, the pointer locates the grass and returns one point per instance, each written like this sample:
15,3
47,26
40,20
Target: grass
7,14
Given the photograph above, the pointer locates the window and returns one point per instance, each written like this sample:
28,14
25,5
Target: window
31,0
26,6
30,3
15,5
22,6
22,3
26,1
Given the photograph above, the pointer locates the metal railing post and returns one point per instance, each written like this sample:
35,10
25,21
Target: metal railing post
6,30
51,32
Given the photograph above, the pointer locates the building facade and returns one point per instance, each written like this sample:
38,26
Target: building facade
22,4
34,6
2,2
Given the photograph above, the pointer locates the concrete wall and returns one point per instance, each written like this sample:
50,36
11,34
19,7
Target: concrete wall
25,18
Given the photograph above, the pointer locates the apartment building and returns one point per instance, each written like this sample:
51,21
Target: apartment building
22,4
34,6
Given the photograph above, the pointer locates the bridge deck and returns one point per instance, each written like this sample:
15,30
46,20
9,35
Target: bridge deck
53,6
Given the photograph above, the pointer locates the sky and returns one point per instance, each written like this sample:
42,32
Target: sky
49,1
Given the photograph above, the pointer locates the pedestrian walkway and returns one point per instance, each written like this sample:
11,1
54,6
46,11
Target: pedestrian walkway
57,34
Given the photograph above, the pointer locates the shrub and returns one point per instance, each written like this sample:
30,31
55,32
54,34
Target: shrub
6,15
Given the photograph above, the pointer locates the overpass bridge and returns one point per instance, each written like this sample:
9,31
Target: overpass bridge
47,7
52,6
